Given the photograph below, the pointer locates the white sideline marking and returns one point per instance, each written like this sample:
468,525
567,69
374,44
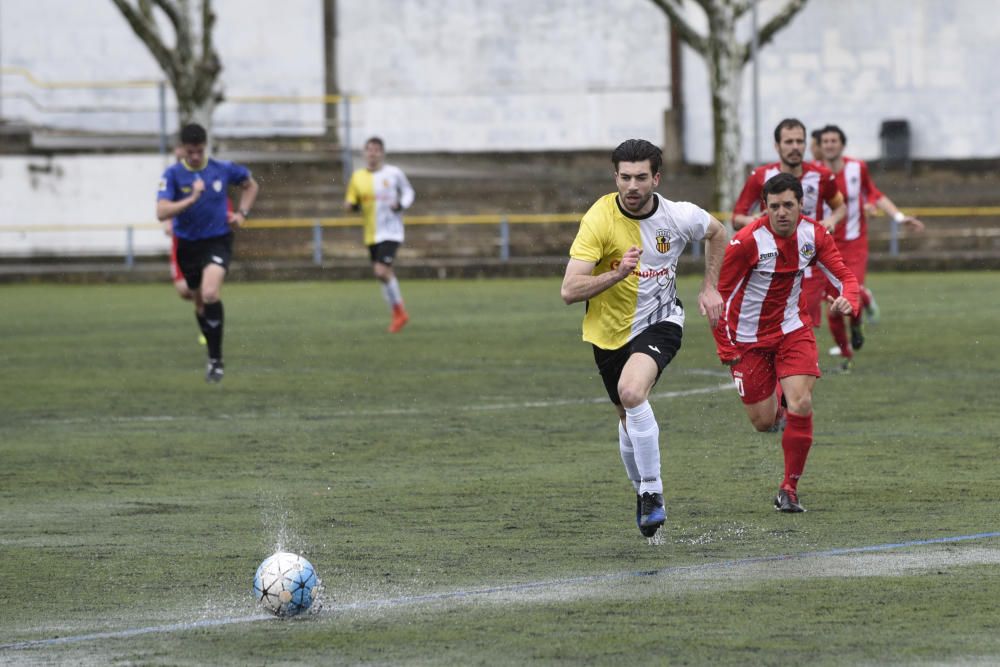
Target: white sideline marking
389,412
522,592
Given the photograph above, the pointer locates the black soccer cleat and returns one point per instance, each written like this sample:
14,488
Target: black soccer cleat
857,335
652,514
788,501
215,371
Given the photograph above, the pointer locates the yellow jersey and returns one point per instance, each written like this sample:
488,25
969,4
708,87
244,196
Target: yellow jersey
380,193
649,295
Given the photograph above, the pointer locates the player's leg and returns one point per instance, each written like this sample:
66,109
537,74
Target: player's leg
383,255
184,291
797,366
651,351
758,388
610,364
214,315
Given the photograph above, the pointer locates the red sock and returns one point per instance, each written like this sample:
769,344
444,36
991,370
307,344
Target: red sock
839,331
796,441
778,394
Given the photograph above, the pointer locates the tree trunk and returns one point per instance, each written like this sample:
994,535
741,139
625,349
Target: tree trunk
725,65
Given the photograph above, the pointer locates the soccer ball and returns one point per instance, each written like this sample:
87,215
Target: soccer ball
285,584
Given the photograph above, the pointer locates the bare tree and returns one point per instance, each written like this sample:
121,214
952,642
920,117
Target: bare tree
190,62
725,58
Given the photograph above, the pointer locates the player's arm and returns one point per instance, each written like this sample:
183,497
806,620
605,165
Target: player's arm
709,299
167,209
406,195
248,195
735,265
352,200
579,283
746,202
839,208
829,259
887,205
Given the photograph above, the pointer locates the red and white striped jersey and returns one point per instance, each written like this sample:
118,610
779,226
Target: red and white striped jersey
856,184
761,282
818,185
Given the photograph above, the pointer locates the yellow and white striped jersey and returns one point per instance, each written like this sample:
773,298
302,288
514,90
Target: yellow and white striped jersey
379,192
648,296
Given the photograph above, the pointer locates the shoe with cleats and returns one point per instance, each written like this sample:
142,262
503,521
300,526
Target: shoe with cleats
215,371
650,513
399,319
787,500
857,336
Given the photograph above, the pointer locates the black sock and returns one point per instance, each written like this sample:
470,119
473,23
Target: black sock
202,324
213,329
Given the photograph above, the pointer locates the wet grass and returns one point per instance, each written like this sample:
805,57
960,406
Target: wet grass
473,450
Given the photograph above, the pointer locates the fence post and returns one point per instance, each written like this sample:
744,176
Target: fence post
348,166
317,242
893,238
504,239
129,247
163,117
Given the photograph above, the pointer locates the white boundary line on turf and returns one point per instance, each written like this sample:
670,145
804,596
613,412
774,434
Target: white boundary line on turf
389,412
493,590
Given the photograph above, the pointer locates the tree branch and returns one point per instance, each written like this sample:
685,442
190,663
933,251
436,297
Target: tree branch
777,22
145,28
687,34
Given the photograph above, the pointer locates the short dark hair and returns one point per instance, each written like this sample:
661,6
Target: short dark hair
376,140
787,124
834,128
782,183
637,150
815,134
194,134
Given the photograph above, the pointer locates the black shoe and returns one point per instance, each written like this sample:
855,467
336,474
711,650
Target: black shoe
788,501
857,335
652,514
215,371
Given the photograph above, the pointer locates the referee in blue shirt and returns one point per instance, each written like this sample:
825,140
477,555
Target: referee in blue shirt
194,192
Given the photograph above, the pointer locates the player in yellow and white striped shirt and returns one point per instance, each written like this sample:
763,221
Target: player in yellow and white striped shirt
623,263
381,192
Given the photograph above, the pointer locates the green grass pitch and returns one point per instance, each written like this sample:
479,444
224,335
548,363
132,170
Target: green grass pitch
458,486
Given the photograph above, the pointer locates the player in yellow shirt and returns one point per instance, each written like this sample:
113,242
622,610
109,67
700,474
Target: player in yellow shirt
381,192
623,263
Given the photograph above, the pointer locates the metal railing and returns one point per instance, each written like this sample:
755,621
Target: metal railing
503,223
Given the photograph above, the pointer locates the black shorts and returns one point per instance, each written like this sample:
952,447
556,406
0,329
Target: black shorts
384,252
660,341
194,256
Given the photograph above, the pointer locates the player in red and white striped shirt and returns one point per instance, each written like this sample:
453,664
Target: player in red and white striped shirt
765,335
855,182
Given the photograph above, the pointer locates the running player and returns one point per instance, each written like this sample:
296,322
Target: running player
855,182
623,264
381,192
194,193
818,186
764,334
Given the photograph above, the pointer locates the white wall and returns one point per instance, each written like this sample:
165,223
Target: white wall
82,191
855,63
455,75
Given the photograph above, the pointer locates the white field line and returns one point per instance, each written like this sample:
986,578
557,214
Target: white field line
880,560
385,412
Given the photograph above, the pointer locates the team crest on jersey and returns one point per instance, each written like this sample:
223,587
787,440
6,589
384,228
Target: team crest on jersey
217,185
807,250
662,241
385,182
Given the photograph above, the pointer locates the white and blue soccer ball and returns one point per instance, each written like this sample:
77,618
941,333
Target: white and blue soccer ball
286,584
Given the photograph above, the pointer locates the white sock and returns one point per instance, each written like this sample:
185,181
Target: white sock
628,456
644,433
390,290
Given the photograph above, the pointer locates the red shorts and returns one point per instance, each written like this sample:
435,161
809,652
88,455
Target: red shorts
761,366
175,268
